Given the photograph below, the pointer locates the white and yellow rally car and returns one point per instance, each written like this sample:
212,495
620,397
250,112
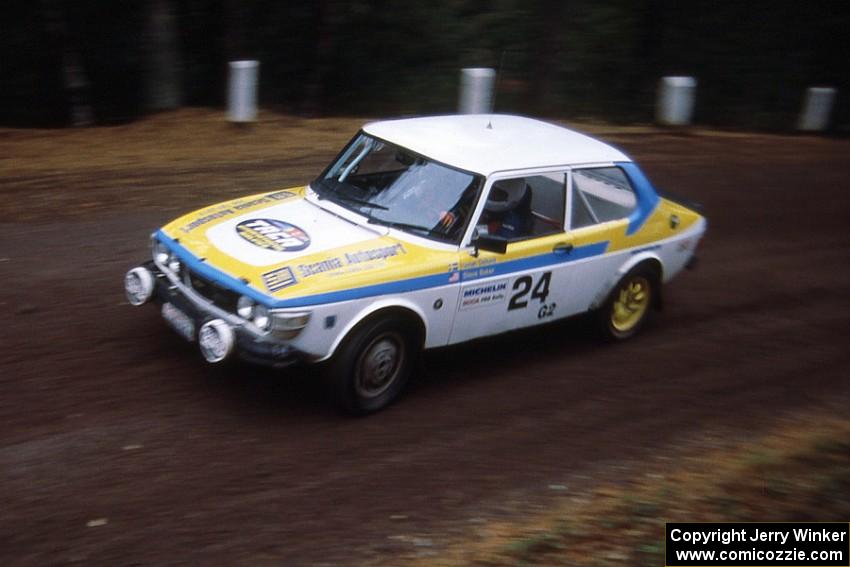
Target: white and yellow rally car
422,233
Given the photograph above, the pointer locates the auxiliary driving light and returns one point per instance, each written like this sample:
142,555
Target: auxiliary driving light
138,285
216,339
262,319
174,264
160,252
245,307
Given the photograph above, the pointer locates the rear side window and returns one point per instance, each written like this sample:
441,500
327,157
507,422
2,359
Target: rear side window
601,194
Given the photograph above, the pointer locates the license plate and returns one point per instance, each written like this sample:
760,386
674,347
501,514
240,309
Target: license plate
179,321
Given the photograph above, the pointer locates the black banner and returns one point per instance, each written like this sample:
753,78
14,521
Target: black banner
763,544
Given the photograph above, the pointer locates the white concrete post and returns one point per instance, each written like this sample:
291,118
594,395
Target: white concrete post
242,91
817,106
476,90
676,96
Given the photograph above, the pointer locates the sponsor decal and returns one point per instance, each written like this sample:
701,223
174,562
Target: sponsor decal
374,254
273,234
482,295
307,270
350,261
478,273
478,268
278,196
478,262
278,279
206,219
220,211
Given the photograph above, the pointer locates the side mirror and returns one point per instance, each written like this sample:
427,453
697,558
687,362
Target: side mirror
490,243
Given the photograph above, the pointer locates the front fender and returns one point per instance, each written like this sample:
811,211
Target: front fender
371,309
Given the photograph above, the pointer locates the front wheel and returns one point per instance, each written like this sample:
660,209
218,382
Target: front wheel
629,305
372,366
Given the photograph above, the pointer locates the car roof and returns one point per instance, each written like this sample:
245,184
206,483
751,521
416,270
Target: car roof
487,143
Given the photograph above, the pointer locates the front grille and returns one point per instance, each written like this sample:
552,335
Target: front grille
221,297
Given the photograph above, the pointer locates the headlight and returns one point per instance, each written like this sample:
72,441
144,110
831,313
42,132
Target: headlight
262,319
245,307
160,252
290,325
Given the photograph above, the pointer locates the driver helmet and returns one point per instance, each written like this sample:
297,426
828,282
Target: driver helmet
505,195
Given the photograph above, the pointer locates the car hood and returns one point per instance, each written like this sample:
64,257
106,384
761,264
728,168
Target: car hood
283,246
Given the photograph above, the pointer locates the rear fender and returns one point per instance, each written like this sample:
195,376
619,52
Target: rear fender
646,256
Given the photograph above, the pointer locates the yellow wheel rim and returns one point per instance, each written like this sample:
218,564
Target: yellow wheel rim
631,304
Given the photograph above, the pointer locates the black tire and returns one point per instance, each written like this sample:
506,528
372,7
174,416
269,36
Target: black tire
372,365
629,305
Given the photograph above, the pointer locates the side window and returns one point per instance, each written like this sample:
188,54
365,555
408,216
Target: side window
524,207
600,194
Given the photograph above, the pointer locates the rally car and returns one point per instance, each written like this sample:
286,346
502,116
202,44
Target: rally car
421,233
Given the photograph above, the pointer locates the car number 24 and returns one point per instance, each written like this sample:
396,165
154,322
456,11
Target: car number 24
539,291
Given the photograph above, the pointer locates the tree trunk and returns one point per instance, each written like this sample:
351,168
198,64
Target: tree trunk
163,77
547,49
313,102
74,77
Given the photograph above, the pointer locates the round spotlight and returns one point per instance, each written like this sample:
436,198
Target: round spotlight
216,339
138,286
245,307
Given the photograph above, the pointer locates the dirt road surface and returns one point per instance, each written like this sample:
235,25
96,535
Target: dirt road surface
119,447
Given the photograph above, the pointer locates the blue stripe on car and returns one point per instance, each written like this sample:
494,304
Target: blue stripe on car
401,286
214,274
647,198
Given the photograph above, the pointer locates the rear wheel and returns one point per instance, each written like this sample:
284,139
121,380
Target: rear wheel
629,305
372,366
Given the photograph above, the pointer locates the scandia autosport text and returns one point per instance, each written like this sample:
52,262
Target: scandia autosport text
355,257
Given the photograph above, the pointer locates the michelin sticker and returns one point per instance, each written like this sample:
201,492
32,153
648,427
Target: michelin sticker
273,234
482,295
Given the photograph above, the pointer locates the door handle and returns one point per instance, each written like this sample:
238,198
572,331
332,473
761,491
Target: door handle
563,248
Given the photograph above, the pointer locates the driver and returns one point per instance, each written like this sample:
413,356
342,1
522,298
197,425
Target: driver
507,212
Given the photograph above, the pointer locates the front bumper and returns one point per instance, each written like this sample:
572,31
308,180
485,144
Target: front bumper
249,344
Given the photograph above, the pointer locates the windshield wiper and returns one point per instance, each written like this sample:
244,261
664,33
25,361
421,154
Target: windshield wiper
363,202
402,225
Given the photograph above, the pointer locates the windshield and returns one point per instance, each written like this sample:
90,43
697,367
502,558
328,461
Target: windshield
394,187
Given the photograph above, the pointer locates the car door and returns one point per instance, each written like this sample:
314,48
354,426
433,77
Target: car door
601,199
527,283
